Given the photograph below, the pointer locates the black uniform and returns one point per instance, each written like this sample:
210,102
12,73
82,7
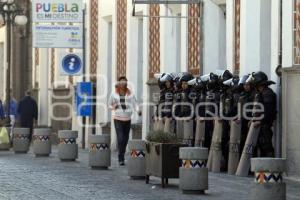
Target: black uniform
28,111
268,99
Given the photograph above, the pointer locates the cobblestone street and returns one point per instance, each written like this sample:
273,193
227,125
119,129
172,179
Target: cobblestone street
27,177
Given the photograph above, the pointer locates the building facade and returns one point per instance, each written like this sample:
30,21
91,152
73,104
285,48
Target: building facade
240,35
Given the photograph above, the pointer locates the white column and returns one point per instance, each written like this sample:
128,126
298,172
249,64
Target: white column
43,103
146,92
132,49
184,38
230,36
167,40
275,23
214,37
114,66
255,36
287,27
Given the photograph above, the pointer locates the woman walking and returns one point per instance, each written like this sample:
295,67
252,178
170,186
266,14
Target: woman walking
123,103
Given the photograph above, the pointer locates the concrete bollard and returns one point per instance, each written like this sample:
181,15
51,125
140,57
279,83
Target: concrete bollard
41,142
21,140
137,161
99,151
67,148
193,173
268,183
188,132
6,147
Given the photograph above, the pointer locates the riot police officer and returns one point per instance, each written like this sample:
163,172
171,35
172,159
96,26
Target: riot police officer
267,98
184,107
247,94
167,95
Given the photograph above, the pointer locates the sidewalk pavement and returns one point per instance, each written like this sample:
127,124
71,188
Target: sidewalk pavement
24,177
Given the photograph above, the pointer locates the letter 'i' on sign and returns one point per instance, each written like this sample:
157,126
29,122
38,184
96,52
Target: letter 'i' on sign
84,99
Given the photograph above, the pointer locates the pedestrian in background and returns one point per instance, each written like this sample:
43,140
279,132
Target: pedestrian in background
2,114
28,112
123,103
11,110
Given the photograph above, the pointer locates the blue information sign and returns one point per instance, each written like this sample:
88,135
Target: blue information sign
71,64
84,99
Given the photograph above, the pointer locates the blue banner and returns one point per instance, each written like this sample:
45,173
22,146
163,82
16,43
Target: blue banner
84,99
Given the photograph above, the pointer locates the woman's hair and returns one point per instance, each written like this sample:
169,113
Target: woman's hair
122,78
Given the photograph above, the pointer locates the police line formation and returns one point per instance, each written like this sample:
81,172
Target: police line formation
232,116
219,139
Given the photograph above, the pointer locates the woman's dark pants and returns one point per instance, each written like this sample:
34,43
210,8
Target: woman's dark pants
122,131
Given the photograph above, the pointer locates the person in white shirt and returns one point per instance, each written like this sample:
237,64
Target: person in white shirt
123,103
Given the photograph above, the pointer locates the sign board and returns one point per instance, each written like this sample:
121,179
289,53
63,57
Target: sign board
166,1
48,11
84,95
57,36
70,64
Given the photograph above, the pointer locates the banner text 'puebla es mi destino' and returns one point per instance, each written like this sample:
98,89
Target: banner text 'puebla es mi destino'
50,11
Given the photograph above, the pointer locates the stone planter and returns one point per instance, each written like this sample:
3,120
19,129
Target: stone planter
268,183
21,140
99,151
193,173
67,148
41,142
6,147
137,161
162,160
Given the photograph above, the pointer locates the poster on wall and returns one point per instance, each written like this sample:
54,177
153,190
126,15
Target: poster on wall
57,36
48,11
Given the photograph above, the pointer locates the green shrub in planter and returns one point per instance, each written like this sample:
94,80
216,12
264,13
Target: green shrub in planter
162,156
162,137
